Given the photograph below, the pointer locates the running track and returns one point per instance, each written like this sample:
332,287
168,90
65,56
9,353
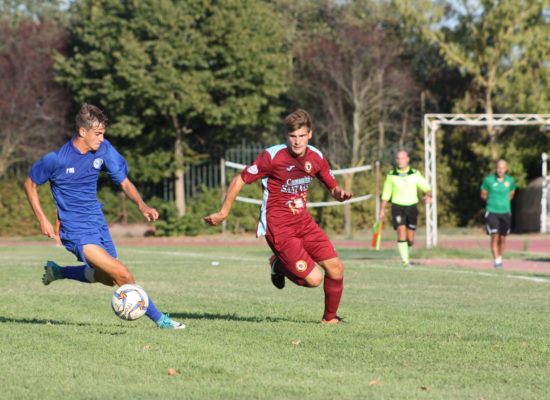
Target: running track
538,245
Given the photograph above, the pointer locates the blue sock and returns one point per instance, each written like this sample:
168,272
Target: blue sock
75,273
152,311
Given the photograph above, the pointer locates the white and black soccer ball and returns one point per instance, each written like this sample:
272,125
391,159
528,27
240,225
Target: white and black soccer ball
130,301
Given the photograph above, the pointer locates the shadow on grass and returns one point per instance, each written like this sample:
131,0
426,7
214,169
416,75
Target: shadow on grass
235,317
36,321
541,259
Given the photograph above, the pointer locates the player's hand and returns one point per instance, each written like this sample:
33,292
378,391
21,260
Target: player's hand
340,194
150,214
428,199
47,229
215,219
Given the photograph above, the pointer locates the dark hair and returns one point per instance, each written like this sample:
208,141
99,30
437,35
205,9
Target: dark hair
297,119
90,116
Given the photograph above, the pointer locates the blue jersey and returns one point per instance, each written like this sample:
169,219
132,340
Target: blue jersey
73,179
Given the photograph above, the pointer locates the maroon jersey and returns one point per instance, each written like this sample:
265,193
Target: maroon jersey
285,180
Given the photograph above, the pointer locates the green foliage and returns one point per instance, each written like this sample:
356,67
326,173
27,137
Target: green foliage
243,217
113,198
38,10
176,73
16,215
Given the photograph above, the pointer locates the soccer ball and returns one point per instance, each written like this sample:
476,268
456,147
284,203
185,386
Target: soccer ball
130,301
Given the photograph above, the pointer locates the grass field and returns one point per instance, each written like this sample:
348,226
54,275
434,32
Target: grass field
425,333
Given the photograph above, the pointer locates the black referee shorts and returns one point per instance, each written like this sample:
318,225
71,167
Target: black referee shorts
404,215
498,223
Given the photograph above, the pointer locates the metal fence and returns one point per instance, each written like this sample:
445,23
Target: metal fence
208,174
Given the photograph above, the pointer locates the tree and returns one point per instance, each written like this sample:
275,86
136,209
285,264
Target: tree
498,43
355,74
33,107
177,74
35,10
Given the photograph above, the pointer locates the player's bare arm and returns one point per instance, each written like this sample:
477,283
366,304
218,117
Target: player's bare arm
512,194
131,191
340,194
32,196
234,189
483,195
428,197
382,209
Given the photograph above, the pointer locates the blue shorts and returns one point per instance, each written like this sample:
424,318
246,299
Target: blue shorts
75,242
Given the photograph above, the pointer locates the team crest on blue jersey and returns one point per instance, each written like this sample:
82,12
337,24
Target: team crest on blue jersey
98,162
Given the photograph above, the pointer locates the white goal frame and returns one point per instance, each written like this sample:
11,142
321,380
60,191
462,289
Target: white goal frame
544,194
432,122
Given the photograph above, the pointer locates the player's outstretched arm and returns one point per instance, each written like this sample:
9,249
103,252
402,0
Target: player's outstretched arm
32,196
131,191
234,189
340,194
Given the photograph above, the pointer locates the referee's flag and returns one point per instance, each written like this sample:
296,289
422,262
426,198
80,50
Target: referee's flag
377,234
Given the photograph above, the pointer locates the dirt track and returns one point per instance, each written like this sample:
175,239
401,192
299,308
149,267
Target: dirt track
539,245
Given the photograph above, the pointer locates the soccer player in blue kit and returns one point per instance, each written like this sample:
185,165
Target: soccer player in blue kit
73,172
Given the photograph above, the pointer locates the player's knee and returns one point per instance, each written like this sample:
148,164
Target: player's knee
315,278
123,276
315,281
335,269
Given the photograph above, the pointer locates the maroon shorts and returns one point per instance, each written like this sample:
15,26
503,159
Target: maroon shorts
299,247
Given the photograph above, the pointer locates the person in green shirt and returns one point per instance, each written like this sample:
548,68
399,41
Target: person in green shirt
498,190
401,189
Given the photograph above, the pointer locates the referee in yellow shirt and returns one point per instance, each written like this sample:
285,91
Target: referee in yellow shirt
401,189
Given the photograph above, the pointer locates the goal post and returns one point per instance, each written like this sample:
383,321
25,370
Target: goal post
544,194
432,122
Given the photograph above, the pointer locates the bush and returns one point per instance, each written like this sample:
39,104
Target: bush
16,215
243,217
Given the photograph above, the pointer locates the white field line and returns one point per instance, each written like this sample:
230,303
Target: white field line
197,255
414,268
471,272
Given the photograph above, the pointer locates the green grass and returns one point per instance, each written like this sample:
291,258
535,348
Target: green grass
458,334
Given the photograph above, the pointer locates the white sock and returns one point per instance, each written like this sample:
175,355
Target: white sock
89,273
498,260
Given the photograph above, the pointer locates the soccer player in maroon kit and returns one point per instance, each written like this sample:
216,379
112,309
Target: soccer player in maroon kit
295,239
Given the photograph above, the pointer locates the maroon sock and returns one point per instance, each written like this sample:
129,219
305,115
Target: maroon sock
333,294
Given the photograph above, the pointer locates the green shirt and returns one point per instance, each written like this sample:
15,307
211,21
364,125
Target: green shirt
401,186
498,193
